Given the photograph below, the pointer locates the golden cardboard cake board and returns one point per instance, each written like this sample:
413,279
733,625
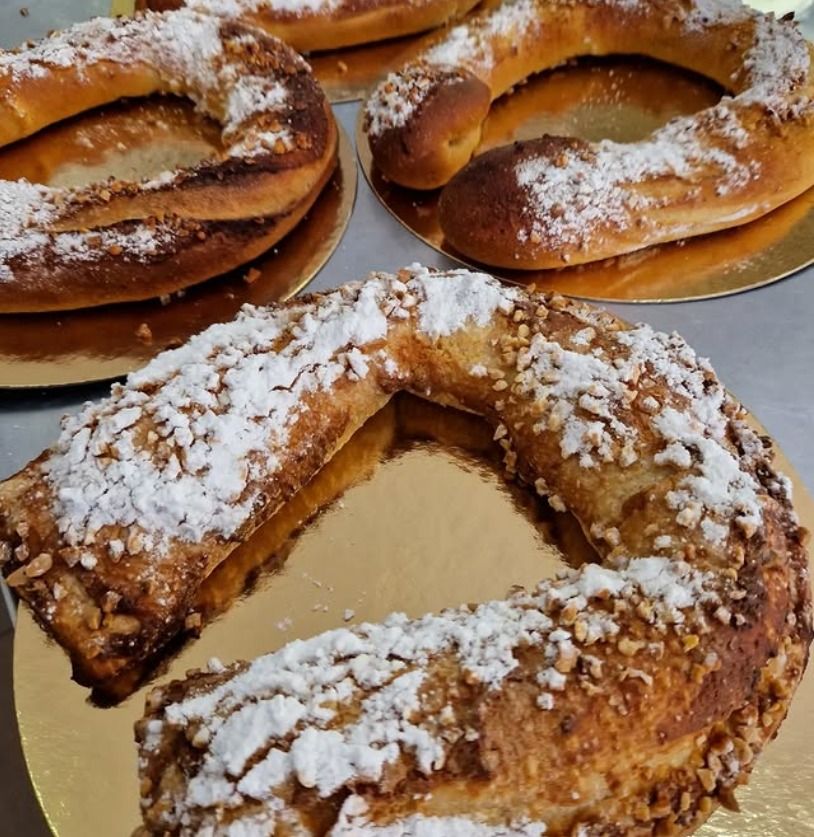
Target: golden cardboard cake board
138,139
623,100
415,517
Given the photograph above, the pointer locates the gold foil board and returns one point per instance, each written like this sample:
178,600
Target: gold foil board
135,139
348,74
416,517
621,99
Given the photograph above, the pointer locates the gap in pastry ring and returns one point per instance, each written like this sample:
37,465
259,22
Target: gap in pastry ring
558,201
121,240
623,99
683,648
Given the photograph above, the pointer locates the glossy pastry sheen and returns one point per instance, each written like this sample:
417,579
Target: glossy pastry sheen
627,697
119,240
553,201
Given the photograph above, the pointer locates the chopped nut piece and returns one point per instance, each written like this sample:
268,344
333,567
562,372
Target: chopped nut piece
144,333
39,565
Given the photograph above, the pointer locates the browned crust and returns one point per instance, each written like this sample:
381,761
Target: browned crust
441,136
193,252
485,214
652,752
483,209
655,749
351,23
208,219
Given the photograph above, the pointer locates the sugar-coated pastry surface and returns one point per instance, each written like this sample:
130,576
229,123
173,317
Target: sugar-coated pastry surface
122,240
555,201
311,25
629,695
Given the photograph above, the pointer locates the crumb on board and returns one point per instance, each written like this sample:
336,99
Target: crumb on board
144,333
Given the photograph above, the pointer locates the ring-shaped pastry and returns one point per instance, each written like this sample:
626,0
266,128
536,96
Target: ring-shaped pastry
629,696
315,25
554,201
120,240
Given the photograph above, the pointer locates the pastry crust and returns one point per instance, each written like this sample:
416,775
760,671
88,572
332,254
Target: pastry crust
311,26
554,201
117,241
644,685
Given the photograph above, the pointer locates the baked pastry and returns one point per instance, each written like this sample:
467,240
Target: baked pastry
696,624
625,697
554,201
118,241
313,25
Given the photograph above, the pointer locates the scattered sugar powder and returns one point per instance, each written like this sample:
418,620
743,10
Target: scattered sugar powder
586,394
396,98
239,8
26,212
252,95
184,47
449,304
352,820
220,403
468,46
217,403
279,719
595,187
705,13
183,450
777,63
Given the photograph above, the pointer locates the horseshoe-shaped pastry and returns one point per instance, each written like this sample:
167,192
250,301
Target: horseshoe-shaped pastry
627,697
118,240
314,25
555,201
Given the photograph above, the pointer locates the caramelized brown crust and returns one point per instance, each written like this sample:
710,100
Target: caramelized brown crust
648,730
557,201
323,26
644,686
120,241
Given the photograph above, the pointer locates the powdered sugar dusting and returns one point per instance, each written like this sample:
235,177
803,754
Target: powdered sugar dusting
451,305
222,403
238,8
352,820
469,46
239,399
336,712
596,187
396,98
187,50
27,211
280,714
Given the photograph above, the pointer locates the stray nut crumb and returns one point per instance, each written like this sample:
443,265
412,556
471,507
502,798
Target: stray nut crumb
144,333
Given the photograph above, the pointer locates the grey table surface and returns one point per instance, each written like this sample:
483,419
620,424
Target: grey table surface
761,342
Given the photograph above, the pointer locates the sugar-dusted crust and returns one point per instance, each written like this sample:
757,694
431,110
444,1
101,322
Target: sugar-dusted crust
313,25
555,201
629,697
656,675
121,240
